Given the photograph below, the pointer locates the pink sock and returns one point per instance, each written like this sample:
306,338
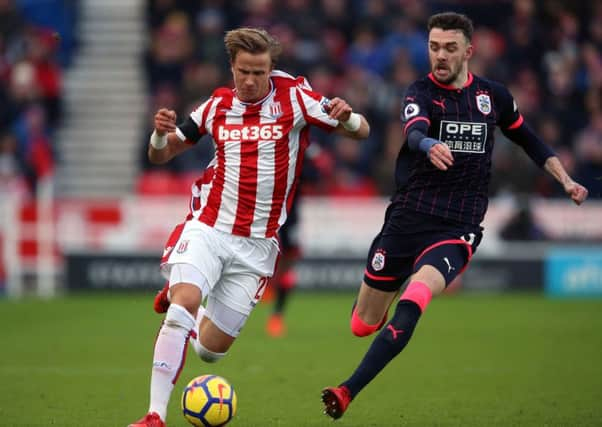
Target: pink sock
419,293
169,356
361,328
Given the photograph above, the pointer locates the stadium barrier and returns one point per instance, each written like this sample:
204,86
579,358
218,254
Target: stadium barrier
28,244
116,244
122,271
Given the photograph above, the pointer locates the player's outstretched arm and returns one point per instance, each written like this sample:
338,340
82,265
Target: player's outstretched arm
164,144
351,124
543,156
577,192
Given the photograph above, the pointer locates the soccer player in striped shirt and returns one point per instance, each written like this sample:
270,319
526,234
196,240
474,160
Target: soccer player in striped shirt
226,250
432,226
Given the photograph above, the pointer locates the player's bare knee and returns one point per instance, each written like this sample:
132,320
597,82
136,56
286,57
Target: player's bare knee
186,295
187,285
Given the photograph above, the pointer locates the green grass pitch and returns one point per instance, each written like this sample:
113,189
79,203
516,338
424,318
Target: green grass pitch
480,360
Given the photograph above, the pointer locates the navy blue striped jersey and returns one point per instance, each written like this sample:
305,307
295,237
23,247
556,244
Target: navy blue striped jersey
465,119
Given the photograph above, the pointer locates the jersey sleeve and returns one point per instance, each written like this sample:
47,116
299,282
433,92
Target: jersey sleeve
194,127
314,111
514,127
508,115
415,112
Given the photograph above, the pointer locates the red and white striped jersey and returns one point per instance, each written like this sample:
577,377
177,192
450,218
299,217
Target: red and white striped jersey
248,187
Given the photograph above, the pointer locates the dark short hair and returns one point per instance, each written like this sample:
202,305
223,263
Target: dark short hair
251,40
452,21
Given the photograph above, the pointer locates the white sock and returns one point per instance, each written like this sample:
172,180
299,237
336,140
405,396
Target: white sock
169,356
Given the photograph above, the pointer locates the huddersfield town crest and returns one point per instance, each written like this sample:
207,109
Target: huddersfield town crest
484,103
275,110
378,260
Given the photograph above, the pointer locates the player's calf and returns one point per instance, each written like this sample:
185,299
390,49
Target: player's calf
398,331
205,354
361,328
218,327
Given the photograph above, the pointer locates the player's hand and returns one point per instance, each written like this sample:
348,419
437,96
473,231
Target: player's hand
440,155
165,121
338,109
576,191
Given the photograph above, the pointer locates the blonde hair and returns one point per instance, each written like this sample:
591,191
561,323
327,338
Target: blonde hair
251,40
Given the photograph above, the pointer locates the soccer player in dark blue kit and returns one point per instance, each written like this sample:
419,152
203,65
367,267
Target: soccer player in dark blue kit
432,226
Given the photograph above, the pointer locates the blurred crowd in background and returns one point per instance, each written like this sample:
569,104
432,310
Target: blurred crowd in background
549,53
32,62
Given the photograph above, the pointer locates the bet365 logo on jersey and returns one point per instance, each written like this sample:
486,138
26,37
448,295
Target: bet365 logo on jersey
464,137
250,133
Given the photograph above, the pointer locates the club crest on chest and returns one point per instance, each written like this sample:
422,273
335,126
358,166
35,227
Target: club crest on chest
484,103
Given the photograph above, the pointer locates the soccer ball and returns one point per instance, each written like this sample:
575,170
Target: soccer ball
208,401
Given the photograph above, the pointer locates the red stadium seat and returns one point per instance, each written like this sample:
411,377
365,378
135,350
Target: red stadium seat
104,214
156,183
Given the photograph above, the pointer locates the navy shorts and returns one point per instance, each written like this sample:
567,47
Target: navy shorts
409,240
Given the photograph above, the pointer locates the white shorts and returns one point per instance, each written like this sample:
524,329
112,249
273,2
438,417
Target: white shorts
236,269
